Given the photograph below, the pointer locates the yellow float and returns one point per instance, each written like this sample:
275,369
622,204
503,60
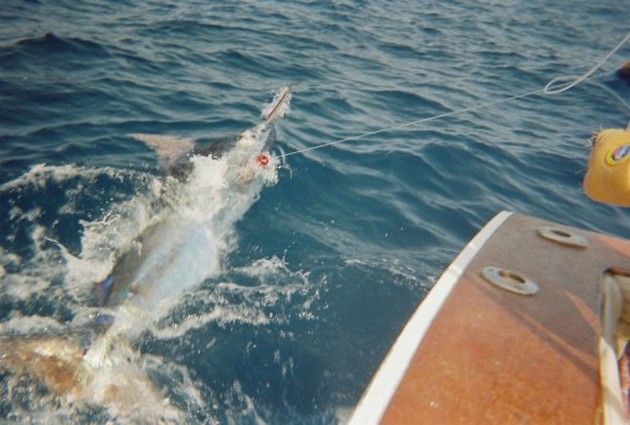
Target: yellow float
608,176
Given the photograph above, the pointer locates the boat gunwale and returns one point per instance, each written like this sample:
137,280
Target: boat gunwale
376,399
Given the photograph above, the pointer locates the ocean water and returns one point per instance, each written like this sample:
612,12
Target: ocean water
320,273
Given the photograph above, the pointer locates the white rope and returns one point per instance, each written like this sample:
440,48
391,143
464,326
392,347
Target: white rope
549,89
572,80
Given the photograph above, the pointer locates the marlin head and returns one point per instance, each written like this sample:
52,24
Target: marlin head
264,134
252,151
255,143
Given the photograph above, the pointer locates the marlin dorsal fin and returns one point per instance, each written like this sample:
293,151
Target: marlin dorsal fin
168,148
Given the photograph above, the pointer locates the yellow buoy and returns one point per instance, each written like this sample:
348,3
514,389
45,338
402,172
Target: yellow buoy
608,176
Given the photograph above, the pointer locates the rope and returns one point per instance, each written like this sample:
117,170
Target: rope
572,81
549,89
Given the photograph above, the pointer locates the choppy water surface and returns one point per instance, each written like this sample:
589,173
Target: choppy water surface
322,271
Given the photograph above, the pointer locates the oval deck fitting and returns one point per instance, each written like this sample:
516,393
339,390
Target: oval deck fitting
563,237
510,281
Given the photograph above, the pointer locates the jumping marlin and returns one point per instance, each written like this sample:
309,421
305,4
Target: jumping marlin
178,252
183,246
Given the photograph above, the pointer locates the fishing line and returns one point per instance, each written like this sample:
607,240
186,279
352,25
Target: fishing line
416,122
556,86
572,81
611,93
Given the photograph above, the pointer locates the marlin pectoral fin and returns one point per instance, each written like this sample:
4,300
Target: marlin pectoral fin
103,289
168,148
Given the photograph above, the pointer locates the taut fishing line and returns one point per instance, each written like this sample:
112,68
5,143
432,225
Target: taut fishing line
556,86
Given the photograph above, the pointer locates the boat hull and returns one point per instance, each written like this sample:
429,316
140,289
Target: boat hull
475,352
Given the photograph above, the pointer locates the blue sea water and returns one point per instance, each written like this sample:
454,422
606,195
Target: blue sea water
331,260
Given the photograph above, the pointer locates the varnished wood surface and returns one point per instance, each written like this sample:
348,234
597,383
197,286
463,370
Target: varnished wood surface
496,357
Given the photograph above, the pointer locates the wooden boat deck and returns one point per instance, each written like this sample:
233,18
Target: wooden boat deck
476,353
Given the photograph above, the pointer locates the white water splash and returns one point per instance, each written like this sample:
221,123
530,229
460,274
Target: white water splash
228,302
40,174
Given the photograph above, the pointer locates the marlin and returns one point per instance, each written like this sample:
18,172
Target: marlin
186,245
204,193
